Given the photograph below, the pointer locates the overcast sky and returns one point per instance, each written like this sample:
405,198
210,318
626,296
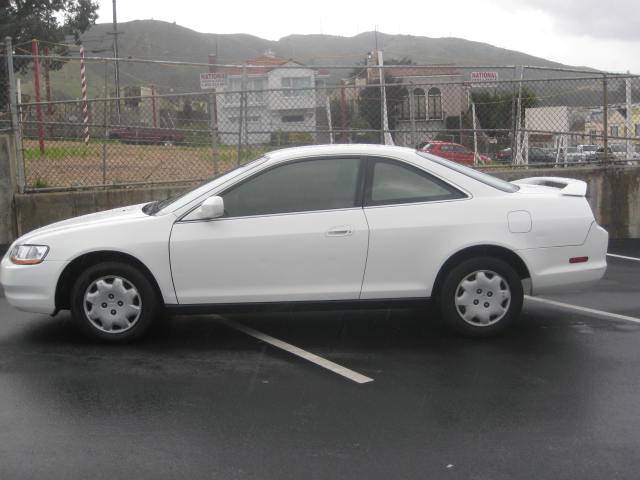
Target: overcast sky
595,33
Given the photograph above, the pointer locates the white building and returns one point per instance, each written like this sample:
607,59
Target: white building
546,124
280,100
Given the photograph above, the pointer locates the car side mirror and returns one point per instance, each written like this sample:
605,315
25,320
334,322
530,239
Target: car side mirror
212,207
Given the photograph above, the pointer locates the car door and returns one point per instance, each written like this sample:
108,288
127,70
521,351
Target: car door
466,156
293,232
412,216
445,152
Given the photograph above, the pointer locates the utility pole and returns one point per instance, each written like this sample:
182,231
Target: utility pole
115,34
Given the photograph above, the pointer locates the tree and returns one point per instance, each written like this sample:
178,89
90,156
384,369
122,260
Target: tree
369,98
50,21
494,110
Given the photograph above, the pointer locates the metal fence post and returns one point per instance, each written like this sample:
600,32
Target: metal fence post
343,112
514,122
241,110
245,108
105,134
213,118
521,157
213,115
628,124
412,118
605,117
13,105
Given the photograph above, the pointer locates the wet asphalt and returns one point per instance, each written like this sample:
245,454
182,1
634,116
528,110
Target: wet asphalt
557,397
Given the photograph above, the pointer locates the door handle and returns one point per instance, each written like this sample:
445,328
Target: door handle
341,231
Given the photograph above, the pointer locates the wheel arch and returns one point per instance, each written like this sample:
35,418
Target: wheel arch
80,263
487,250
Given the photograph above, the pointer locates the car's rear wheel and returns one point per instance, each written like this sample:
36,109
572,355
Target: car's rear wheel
481,296
114,302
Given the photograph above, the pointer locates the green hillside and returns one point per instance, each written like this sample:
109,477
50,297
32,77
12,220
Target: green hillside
151,39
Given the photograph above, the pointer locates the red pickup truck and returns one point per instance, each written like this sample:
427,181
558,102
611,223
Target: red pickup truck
146,135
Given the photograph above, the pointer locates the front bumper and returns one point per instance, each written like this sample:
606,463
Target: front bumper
550,268
31,288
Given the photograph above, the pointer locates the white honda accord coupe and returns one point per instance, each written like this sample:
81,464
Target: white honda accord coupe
333,225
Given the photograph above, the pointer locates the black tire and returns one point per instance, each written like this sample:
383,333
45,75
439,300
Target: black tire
147,298
452,290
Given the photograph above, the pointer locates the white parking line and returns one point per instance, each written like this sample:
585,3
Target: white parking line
589,311
624,257
311,357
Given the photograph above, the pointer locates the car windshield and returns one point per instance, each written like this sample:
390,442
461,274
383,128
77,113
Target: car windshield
155,207
475,174
589,148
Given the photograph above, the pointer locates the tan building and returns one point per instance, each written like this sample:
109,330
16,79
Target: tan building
435,100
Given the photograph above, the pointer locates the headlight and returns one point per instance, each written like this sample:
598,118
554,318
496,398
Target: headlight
28,254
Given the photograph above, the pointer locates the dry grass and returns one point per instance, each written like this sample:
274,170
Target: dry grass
72,164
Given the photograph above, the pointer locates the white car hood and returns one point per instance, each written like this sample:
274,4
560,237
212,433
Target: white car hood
115,215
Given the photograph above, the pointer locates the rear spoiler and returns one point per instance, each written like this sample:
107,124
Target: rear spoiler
567,186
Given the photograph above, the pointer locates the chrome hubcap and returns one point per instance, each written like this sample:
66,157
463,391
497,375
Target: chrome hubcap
112,304
483,298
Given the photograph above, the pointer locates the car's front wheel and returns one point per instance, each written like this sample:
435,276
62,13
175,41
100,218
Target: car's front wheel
114,302
481,296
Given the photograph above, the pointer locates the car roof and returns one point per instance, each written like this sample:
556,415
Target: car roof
337,149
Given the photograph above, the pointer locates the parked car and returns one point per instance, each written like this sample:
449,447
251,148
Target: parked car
589,152
145,135
504,155
342,225
536,155
454,151
571,155
618,152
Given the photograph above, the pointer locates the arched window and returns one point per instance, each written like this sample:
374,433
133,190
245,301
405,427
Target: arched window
434,102
419,104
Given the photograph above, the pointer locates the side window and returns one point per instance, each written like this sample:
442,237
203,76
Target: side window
394,182
319,184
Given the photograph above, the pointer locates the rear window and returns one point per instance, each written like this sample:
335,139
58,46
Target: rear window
475,174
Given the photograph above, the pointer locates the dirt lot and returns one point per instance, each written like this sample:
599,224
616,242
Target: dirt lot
71,163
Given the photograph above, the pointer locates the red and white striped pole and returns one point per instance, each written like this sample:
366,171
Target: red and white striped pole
85,103
36,86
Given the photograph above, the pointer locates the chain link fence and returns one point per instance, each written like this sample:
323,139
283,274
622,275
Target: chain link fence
164,129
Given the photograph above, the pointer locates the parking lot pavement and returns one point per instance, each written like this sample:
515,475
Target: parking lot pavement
556,397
